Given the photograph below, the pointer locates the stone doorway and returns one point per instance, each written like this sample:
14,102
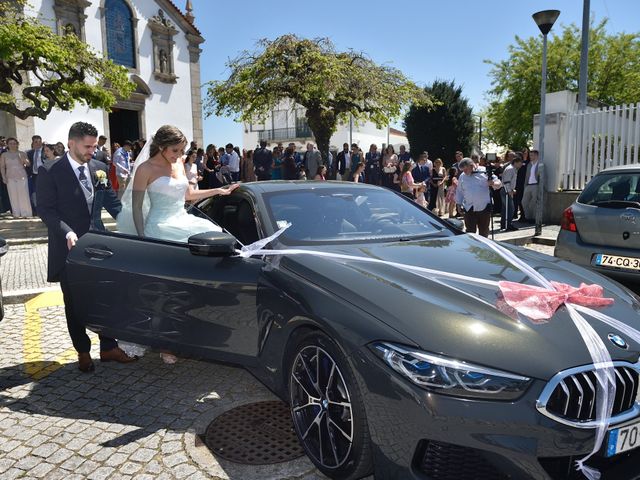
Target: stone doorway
124,125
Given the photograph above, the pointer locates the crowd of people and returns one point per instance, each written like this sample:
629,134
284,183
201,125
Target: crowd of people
473,188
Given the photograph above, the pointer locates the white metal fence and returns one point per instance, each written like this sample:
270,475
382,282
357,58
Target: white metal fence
597,139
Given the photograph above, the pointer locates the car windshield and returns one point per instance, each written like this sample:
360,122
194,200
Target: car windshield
344,215
613,190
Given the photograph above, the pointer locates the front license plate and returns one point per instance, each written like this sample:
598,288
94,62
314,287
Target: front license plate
615,261
623,439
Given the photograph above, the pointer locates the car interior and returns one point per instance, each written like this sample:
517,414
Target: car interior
236,216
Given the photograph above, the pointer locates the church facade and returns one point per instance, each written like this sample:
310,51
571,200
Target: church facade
155,41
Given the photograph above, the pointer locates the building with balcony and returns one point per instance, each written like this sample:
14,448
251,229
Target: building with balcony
287,123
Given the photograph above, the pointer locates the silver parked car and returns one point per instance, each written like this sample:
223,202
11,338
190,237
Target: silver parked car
601,229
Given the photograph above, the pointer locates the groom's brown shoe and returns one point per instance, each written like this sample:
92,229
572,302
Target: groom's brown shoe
85,364
116,355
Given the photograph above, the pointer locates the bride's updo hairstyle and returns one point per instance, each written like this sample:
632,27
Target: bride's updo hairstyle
166,136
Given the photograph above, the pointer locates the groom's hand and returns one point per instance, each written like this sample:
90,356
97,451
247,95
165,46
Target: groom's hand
72,238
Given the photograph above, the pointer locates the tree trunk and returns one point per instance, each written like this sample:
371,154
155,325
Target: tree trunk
323,124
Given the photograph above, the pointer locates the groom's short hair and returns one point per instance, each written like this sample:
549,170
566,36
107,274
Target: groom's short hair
80,130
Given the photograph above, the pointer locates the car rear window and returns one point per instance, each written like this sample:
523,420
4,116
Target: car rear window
613,190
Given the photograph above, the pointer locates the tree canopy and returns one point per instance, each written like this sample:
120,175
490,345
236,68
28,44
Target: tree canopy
445,128
41,70
329,84
614,77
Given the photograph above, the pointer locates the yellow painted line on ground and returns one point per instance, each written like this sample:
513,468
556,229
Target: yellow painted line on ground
35,365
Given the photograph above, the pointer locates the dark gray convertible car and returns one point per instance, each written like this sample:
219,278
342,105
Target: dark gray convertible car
385,371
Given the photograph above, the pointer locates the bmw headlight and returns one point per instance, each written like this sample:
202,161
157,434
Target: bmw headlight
451,377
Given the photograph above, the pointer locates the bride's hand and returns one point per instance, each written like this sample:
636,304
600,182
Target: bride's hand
227,191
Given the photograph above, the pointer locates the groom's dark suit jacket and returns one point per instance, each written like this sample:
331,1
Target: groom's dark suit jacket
63,207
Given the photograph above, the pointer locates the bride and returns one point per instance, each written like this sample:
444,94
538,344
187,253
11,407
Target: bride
153,203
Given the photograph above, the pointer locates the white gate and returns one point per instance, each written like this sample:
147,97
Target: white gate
597,139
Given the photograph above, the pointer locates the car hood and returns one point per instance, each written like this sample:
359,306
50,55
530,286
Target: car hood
441,319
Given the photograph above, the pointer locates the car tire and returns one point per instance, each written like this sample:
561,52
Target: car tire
327,408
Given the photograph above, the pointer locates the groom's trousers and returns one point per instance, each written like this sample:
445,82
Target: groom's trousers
77,331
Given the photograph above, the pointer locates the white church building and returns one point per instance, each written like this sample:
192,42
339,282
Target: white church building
159,45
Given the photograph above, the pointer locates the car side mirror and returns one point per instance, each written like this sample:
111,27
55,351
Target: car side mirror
4,247
456,223
212,244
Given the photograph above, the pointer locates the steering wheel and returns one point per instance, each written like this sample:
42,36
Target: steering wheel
377,224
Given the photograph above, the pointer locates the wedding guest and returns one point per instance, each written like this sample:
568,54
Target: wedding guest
474,197
288,169
312,160
389,162
520,183
407,184
343,163
358,173
231,159
321,173
262,161
372,159
13,169
35,156
534,177
247,173
59,149
450,197
356,158
191,169
276,165
121,160
49,154
210,165
508,192
436,196
403,156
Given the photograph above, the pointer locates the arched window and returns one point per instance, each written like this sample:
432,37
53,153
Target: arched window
120,41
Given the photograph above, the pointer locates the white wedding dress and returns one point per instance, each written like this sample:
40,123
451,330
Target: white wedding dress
167,218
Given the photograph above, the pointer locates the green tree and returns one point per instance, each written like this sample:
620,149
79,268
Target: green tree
40,70
329,84
614,78
443,129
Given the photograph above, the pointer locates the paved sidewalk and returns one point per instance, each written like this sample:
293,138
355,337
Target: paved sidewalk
24,268
137,421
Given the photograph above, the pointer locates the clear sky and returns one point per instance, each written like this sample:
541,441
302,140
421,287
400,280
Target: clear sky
426,39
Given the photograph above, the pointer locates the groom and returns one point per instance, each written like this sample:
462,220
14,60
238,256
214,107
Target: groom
71,202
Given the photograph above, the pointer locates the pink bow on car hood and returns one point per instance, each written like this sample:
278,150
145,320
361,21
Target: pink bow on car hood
539,303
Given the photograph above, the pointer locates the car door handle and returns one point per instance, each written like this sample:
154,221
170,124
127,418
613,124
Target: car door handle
98,253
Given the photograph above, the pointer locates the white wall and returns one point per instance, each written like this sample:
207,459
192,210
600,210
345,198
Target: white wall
168,103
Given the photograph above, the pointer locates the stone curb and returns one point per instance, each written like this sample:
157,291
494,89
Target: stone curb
22,296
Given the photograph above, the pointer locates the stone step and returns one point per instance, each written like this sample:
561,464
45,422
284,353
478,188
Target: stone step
24,231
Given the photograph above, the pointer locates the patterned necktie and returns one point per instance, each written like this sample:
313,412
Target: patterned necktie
83,179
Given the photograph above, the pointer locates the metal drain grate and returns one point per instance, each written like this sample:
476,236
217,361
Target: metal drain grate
259,433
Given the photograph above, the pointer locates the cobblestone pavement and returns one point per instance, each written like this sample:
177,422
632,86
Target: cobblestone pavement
24,267
135,421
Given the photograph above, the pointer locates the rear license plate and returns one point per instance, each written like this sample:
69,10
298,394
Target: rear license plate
615,261
623,439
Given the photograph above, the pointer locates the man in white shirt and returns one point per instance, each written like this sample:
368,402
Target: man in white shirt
232,160
474,197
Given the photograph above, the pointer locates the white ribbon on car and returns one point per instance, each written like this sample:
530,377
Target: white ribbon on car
602,362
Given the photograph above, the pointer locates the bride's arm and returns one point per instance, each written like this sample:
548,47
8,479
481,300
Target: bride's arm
140,181
195,195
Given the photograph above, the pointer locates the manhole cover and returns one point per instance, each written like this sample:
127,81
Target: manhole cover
256,434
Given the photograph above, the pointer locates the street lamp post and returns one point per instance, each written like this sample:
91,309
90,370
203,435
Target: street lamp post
545,20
